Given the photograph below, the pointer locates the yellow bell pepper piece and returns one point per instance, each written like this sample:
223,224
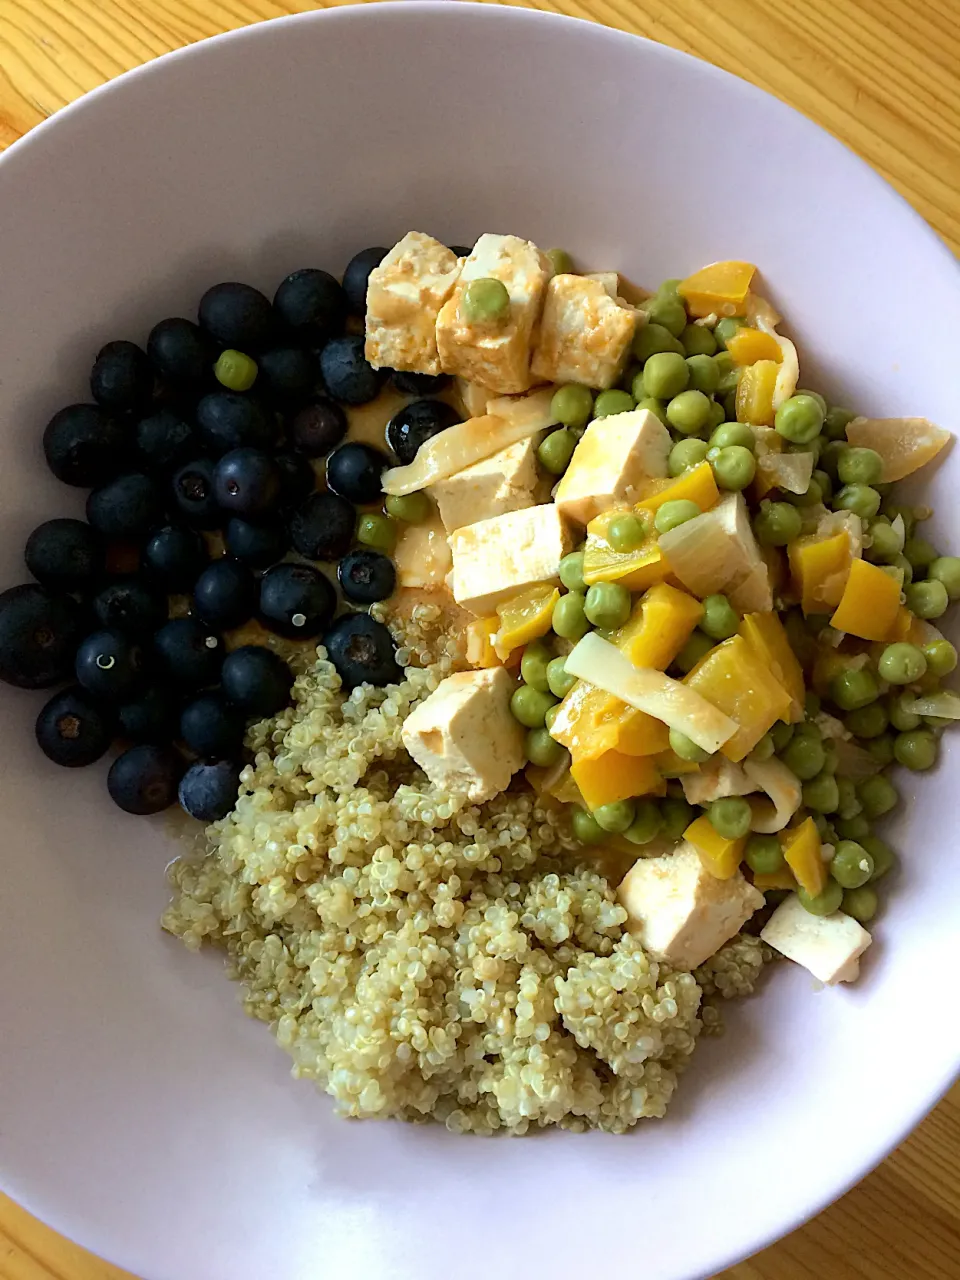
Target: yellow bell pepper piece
720,856
591,722
480,650
524,617
635,570
755,393
660,625
801,848
764,633
614,776
732,679
697,485
870,602
819,567
719,289
747,346
782,879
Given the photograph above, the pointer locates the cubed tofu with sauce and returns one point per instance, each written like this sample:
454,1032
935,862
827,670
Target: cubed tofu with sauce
497,558
613,458
585,334
829,947
680,911
504,482
464,736
496,356
404,297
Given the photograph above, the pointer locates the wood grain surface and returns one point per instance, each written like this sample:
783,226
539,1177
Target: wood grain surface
883,75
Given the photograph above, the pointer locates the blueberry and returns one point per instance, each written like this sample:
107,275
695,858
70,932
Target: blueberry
126,507
166,441
322,527
366,576
121,380
83,446
246,482
354,471
181,352
194,495
65,554
144,779
209,791
238,316
110,665
188,653
415,424
175,556
297,478
225,595
318,428
312,304
288,375
346,373
296,600
362,650
229,420
132,605
356,276
73,729
39,632
257,544
152,717
256,680
419,384
212,727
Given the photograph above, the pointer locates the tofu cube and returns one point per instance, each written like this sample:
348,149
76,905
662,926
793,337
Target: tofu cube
404,297
496,356
495,559
829,947
680,911
504,482
464,736
585,334
612,459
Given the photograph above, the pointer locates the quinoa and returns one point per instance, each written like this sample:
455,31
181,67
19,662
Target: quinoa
422,957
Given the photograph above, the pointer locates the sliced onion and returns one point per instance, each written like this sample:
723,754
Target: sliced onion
784,791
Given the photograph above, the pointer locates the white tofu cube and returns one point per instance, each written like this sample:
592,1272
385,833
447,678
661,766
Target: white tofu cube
585,334
717,551
830,947
464,736
497,558
496,356
612,459
504,482
680,911
404,297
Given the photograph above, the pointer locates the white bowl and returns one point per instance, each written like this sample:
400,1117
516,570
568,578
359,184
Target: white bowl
142,1114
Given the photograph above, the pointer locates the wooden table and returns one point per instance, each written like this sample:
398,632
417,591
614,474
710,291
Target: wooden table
882,75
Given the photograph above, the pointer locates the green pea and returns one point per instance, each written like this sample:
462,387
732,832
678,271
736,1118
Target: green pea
764,855
877,795
883,856
703,373
615,817
485,301
533,666
893,509
666,374
822,904
781,733
638,388
686,454
689,412
626,532
717,415
720,620
812,706
572,405
855,828
585,827
609,403
858,498
734,467
919,552
411,508
607,604
902,663
905,567
666,310
377,531
881,749
927,599
656,407
825,829
814,395
867,722
696,648
823,482
728,373
861,904
822,793
776,524
551,715
559,680
542,750
646,823
673,513
677,816
235,371
835,422
571,571
941,657
809,498
850,805
851,689
569,620
733,433
884,542
686,748
859,466
946,569
652,339
938,722
730,406
916,750
804,754
799,419
530,706
831,758
561,262
725,328
902,716
698,341
731,817
851,865
556,450
764,749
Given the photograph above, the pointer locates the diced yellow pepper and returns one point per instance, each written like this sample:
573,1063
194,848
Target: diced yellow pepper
782,879
819,567
566,790
614,776
747,346
870,602
635,570
673,766
641,735
591,722
801,848
696,485
480,650
755,393
718,289
732,679
768,445
524,617
764,632
720,856
662,622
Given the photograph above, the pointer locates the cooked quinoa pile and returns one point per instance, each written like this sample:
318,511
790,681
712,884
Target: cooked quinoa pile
422,957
